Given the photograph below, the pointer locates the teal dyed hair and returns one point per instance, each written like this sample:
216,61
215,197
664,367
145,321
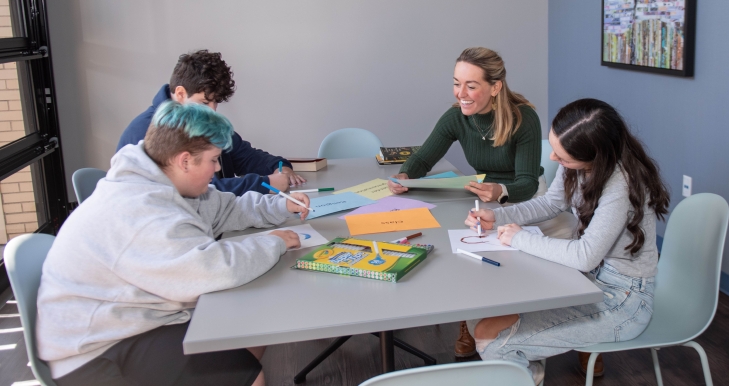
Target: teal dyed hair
196,121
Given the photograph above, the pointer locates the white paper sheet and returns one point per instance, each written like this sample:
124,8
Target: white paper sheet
468,240
307,234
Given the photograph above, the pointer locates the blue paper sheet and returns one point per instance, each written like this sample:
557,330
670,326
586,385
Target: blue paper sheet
443,175
336,203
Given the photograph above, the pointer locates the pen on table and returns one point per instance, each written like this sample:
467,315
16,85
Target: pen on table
297,202
406,238
479,220
313,190
477,257
280,166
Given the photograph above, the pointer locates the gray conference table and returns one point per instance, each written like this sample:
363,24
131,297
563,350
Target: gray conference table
287,305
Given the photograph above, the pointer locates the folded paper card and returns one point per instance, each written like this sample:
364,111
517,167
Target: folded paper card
374,190
440,183
401,220
390,204
336,203
470,241
308,236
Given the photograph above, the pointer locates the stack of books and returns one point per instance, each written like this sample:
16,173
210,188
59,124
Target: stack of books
356,257
307,164
395,155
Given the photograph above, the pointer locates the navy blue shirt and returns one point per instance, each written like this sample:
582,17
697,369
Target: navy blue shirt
243,167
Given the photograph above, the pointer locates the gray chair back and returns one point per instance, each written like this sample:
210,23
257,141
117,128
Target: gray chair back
350,143
481,373
84,182
687,283
24,257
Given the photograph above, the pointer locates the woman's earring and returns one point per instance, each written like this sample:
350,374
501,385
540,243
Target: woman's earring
493,104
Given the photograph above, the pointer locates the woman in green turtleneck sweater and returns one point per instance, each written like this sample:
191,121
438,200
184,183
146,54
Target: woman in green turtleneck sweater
498,129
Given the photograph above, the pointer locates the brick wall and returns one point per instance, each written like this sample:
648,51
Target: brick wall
16,192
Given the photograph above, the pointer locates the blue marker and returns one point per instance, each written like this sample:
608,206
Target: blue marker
280,166
295,201
477,257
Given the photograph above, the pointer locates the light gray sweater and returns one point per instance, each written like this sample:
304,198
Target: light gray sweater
605,238
136,255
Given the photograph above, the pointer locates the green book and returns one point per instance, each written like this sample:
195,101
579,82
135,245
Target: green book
356,257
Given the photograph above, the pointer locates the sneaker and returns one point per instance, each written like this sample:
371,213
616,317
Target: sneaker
537,370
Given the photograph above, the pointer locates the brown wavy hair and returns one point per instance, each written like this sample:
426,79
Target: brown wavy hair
591,130
203,71
507,117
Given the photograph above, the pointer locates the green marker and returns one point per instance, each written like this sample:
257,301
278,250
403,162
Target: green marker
313,190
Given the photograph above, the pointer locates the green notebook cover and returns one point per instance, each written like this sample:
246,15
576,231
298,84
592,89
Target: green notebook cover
355,257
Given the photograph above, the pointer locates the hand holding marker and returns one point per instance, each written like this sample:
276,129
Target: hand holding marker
479,220
295,201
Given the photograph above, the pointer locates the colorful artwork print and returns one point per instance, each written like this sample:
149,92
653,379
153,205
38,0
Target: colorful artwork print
648,33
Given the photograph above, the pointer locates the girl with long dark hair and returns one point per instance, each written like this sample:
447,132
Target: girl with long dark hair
615,191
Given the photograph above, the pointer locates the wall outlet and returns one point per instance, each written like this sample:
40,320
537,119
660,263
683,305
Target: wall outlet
687,183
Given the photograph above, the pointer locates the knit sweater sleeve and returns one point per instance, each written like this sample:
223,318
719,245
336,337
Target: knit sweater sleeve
585,253
528,156
434,148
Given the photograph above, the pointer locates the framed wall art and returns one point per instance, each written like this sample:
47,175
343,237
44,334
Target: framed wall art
649,35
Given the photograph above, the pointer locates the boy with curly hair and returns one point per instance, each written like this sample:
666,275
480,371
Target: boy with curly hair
203,77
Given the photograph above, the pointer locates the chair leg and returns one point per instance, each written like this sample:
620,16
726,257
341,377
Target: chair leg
657,366
704,361
544,364
590,368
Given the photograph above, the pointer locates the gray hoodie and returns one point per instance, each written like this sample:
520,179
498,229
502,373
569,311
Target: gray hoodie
136,256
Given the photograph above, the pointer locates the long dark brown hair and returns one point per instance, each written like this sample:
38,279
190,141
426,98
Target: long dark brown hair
591,130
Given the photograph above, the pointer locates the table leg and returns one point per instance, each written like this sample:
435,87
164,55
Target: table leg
387,349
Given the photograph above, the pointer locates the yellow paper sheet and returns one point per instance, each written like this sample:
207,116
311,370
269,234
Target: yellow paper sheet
374,190
401,220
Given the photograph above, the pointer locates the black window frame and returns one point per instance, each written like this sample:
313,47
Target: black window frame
41,147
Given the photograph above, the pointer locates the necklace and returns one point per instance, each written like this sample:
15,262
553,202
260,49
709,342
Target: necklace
480,132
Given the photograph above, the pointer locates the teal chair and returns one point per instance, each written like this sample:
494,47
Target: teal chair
550,167
481,373
24,257
84,182
350,143
687,284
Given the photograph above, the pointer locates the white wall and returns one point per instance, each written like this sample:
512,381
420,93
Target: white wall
303,68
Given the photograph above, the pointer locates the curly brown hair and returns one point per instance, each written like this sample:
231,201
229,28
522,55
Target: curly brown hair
204,71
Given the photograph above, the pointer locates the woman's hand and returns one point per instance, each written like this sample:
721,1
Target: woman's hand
507,232
487,219
294,179
487,191
293,207
291,238
395,187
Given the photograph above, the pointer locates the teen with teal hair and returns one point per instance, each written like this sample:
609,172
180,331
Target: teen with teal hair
124,274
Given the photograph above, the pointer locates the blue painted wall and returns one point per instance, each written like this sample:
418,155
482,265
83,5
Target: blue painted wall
683,121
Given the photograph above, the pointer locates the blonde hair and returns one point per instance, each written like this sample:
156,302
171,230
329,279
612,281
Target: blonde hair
507,117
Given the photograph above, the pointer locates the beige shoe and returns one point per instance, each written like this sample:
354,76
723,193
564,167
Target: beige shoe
465,344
